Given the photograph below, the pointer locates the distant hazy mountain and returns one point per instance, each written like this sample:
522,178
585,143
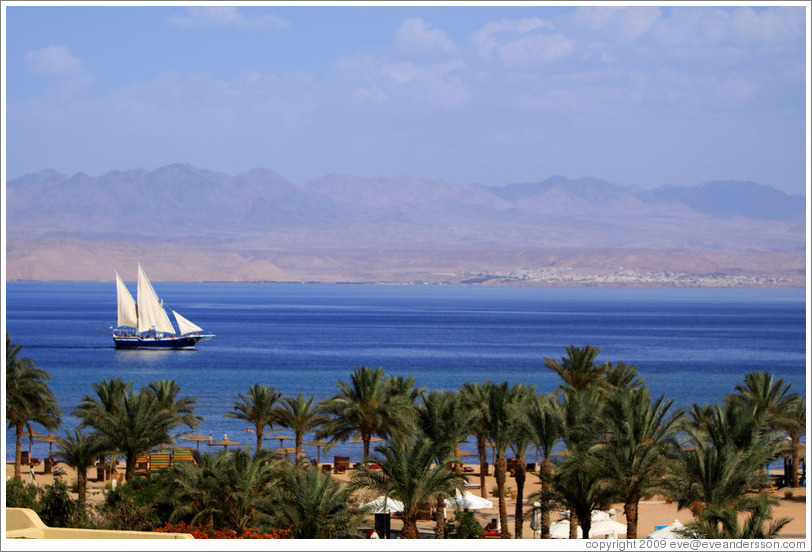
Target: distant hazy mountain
258,212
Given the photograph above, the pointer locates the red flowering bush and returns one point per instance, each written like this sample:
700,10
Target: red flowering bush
209,532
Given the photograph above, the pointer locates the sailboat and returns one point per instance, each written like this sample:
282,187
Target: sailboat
146,325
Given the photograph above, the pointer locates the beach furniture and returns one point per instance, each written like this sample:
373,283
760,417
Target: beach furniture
326,468
182,455
142,464
341,463
159,461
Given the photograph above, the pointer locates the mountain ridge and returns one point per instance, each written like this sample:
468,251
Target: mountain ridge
260,215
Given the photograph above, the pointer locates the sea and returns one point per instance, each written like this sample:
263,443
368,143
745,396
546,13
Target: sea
693,345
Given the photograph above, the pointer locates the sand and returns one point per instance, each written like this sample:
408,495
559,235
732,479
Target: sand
653,512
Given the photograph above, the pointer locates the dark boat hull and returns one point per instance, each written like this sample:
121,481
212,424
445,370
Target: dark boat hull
136,342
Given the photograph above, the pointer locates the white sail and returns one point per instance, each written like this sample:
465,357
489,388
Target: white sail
127,313
185,326
150,311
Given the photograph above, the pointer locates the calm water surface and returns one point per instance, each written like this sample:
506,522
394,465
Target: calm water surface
694,345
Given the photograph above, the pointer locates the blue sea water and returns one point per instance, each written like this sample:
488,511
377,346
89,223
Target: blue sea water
694,345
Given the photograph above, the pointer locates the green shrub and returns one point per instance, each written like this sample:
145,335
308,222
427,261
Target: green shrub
466,526
21,495
122,512
58,509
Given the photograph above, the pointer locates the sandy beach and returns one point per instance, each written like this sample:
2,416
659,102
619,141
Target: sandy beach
653,512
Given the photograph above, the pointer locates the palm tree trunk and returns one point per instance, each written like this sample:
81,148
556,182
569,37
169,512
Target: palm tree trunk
586,522
573,524
439,528
18,452
129,470
630,510
409,529
796,459
367,437
81,481
546,468
298,444
260,435
500,470
518,519
586,526
483,461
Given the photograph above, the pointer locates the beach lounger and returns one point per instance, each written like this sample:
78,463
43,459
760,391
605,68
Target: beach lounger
159,461
142,464
182,456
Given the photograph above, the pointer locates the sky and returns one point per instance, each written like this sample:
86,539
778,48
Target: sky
646,95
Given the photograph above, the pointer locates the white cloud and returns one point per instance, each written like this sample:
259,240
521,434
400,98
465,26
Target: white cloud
368,94
625,23
54,62
528,51
225,17
522,43
743,27
416,36
435,84
489,37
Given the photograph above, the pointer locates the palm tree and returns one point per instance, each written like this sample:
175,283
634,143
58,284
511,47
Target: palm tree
408,473
300,415
581,491
364,406
582,427
621,376
130,422
166,397
442,419
783,410
521,399
500,426
723,523
728,450
543,421
578,369
229,490
28,398
794,422
257,408
766,395
80,451
632,460
312,504
474,397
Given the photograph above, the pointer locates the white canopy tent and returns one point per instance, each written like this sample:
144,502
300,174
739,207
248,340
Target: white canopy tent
606,527
561,530
669,531
384,505
468,501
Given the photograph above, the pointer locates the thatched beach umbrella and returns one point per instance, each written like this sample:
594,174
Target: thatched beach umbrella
31,434
286,450
50,439
318,444
372,439
280,437
197,438
225,443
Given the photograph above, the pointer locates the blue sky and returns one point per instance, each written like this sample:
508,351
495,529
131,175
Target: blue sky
643,95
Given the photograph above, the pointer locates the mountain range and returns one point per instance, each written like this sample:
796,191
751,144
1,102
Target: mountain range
194,224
